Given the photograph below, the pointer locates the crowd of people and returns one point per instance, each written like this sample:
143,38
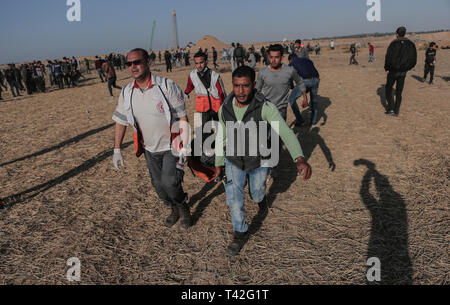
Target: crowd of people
39,76
162,130
155,107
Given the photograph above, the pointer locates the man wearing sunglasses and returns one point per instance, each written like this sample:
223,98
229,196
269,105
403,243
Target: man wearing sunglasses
155,107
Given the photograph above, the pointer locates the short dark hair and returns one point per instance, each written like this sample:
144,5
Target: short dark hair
291,56
245,71
298,41
432,44
200,54
276,48
401,31
144,53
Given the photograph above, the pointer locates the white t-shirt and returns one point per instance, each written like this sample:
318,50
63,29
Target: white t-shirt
149,113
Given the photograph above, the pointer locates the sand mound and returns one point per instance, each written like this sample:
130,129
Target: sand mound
209,42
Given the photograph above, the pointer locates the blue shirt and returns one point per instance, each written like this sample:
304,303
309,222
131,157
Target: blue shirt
304,67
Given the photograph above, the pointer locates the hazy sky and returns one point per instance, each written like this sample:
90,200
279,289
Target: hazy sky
38,29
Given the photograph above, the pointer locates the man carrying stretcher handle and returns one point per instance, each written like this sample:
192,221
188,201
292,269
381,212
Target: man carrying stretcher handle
155,107
210,94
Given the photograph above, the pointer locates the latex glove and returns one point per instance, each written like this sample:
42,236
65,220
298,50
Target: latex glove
117,157
184,153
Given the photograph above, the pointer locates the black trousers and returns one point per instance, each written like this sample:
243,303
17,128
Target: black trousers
166,178
239,61
67,79
399,78
429,69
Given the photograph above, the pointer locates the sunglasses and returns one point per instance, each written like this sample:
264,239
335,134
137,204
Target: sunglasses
136,62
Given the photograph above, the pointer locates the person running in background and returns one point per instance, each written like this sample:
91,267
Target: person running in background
214,58
168,60
300,50
430,61
332,45
305,68
275,80
317,49
353,54
98,67
371,52
110,77
251,58
401,56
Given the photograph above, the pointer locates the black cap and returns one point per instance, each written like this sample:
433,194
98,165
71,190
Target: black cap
401,31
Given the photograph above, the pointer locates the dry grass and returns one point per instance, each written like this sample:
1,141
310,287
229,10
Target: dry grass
388,196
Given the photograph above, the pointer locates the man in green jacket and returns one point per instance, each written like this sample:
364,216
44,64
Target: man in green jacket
247,119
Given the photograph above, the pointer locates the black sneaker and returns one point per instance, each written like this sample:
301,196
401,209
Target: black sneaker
389,112
173,217
185,214
236,245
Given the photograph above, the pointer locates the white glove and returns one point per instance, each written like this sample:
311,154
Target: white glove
183,154
117,157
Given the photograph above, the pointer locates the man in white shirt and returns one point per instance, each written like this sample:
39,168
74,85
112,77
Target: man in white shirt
155,107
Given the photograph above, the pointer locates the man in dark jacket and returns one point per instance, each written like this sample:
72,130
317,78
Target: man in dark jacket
401,56
239,54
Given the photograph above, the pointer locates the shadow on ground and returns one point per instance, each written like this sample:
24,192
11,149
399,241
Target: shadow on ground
12,200
60,145
389,231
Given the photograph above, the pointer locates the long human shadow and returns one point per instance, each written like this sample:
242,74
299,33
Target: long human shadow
389,231
60,145
418,78
323,103
204,201
309,140
446,78
381,91
12,200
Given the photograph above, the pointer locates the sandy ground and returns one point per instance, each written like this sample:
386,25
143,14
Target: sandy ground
388,196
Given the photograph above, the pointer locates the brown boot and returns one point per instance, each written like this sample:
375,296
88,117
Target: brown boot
173,217
185,215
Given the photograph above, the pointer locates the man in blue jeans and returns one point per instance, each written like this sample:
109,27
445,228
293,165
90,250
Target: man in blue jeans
247,120
305,68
